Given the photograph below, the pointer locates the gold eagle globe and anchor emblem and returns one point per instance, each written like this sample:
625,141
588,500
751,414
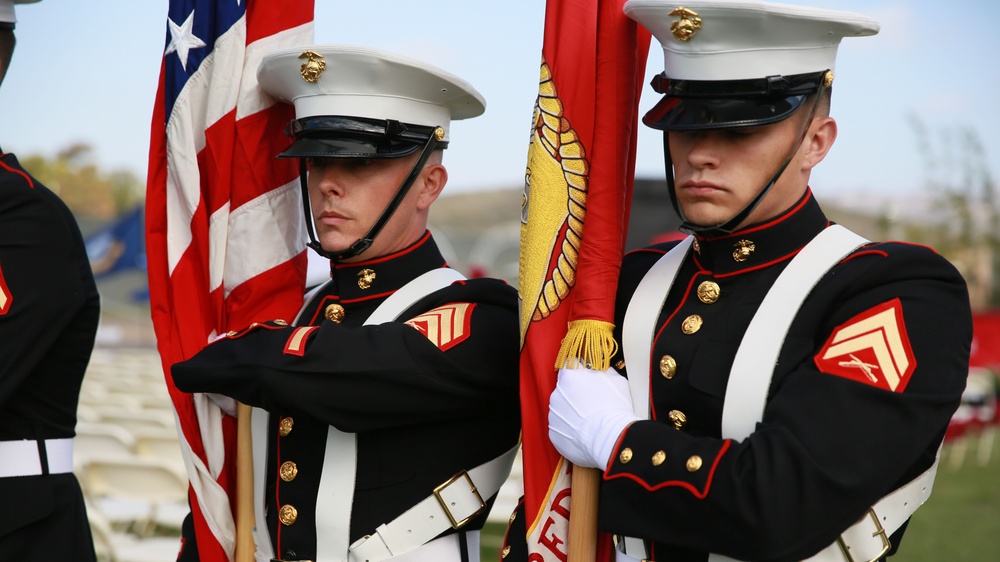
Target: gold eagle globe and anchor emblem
365,278
742,250
559,170
313,68
685,28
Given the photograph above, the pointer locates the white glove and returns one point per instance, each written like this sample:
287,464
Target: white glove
588,411
225,403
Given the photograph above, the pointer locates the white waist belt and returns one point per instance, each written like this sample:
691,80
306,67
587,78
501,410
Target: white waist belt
22,458
865,541
451,505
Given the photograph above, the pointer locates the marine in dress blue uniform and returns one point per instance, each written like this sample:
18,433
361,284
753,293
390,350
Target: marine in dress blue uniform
49,311
867,372
428,396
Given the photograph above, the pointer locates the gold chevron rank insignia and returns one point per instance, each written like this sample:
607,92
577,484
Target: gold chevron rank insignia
296,344
871,348
5,297
446,326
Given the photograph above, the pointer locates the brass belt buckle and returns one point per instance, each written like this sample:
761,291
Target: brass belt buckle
879,532
456,524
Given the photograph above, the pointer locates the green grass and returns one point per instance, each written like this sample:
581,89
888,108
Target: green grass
961,520
959,523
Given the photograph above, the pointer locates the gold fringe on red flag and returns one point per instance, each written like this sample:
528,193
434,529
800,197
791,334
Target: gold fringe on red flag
588,343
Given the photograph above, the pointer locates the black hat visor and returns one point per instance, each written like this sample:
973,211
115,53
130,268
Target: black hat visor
689,105
332,136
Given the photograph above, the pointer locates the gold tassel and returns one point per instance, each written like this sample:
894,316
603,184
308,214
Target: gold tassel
590,342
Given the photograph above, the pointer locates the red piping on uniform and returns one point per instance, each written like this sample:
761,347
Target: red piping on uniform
910,244
759,266
277,496
26,177
679,483
427,234
687,293
646,251
618,444
779,219
864,253
367,298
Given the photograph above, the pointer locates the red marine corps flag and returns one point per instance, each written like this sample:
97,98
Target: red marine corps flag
578,186
225,237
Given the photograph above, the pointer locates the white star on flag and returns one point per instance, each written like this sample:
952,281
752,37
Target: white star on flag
182,39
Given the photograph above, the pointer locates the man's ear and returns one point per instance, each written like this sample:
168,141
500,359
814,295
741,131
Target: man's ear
432,181
818,142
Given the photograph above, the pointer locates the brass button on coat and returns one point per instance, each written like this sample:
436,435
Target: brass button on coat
334,313
691,324
288,471
626,455
658,458
668,366
678,418
285,426
708,292
693,463
287,514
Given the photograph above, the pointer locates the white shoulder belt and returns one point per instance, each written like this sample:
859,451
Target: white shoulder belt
463,496
750,384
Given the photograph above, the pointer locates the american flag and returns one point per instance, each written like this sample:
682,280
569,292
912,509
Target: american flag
224,222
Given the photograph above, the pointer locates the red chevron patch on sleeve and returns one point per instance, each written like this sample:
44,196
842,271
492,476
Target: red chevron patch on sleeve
5,297
871,348
446,326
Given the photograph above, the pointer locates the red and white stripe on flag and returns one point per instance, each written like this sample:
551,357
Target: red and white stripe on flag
225,237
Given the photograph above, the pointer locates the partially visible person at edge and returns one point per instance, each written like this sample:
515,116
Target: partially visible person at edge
397,357
49,310
792,381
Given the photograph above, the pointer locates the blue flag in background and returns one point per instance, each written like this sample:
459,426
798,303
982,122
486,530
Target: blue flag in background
119,247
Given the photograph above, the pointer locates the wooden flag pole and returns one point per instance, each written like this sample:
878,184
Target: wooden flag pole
582,545
245,546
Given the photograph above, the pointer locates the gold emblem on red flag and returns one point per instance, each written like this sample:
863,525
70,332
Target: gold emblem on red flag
871,348
313,68
446,326
559,169
685,28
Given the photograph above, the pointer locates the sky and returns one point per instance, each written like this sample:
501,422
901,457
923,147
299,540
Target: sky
87,72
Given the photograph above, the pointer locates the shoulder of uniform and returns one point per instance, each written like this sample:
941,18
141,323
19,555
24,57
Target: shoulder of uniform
13,175
893,249
483,290
895,259
640,260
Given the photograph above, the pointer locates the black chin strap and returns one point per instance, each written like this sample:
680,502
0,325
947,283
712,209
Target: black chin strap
732,224
364,242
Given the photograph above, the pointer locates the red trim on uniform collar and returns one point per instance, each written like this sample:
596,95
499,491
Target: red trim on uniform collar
380,259
765,225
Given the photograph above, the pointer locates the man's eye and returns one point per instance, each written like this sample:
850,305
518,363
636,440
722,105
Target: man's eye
315,163
360,162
